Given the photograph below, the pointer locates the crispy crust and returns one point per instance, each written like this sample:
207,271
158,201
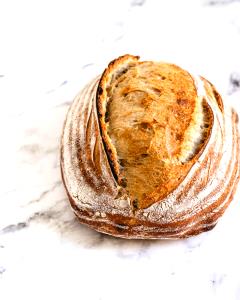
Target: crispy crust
98,200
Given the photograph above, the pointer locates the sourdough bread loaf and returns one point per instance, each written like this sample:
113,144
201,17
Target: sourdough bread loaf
149,151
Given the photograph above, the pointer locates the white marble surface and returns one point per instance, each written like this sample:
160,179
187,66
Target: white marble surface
48,51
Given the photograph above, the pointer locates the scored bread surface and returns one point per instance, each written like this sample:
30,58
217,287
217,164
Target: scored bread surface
153,123
149,151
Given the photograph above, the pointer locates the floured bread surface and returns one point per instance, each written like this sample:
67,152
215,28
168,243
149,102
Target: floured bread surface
153,124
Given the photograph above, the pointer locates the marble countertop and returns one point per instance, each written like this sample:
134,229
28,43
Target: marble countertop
49,50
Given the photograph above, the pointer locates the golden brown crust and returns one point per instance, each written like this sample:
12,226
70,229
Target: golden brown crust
192,207
149,115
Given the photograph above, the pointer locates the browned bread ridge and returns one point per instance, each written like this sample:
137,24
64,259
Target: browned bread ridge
149,151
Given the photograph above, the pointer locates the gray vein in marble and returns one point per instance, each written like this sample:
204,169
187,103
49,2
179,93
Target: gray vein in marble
220,2
1,76
138,2
63,83
87,66
45,215
234,82
119,38
13,227
2,270
46,192
55,214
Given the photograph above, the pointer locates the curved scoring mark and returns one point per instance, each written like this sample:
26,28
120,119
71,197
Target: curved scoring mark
71,174
92,162
77,135
87,138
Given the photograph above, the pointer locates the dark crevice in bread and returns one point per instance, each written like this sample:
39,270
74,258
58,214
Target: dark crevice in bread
203,130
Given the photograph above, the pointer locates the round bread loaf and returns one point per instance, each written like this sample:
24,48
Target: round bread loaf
149,151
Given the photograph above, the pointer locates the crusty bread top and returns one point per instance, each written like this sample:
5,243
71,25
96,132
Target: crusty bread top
153,123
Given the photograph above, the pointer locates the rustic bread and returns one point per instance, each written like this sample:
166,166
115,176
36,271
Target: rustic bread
149,151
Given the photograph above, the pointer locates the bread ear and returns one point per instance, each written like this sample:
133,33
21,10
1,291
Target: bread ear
114,70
